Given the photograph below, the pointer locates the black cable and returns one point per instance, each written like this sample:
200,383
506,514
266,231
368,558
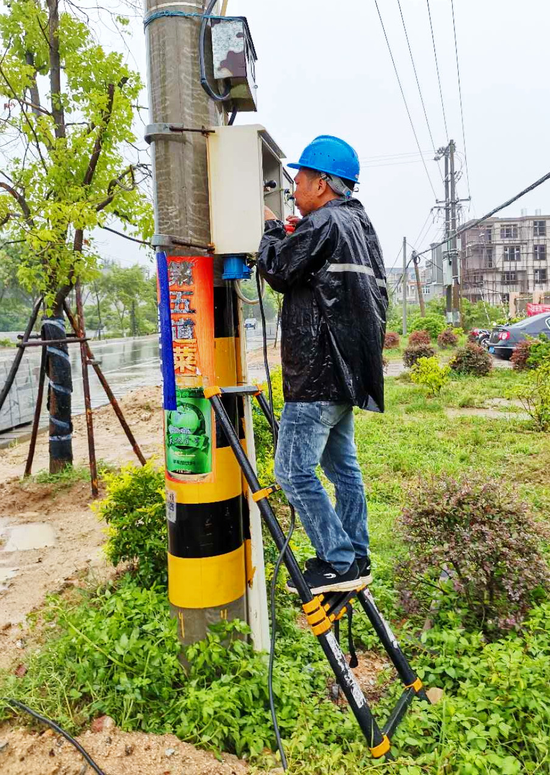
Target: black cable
416,75
232,117
403,95
285,546
473,224
56,728
460,99
202,64
437,71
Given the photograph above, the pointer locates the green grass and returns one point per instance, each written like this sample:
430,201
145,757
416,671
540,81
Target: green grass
415,437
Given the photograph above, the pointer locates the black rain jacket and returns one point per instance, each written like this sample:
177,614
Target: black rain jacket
331,273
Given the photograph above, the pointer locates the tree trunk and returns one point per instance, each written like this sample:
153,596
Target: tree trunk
59,394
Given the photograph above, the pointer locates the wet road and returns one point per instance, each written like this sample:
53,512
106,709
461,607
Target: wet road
127,364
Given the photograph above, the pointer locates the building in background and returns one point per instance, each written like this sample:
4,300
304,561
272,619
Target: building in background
505,261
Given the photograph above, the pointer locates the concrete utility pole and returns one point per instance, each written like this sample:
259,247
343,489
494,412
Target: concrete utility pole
451,275
404,284
207,573
454,240
416,260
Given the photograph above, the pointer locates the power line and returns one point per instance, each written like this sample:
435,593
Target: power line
473,224
437,70
460,99
421,232
403,95
416,75
396,260
391,164
394,155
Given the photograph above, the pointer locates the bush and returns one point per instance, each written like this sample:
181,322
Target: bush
391,340
135,512
428,372
487,541
540,351
520,355
447,338
534,393
472,337
433,324
472,359
420,337
412,354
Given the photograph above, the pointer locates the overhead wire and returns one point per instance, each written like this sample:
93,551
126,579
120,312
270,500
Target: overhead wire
460,98
473,224
437,71
417,80
403,96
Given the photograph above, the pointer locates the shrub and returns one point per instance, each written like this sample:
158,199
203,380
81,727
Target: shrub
540,351
428,372
472,336
472,359
391,340
412,354
447,338
521,354
534,393
433,324
135,513
487,541
420,337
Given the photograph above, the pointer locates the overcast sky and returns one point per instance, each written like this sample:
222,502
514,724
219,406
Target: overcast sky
324,68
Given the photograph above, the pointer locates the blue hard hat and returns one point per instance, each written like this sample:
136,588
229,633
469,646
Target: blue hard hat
331,155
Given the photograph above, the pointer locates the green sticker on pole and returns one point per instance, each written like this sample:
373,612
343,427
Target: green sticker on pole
189,434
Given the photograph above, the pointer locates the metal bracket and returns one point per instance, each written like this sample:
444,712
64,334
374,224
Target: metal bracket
168,241
171,132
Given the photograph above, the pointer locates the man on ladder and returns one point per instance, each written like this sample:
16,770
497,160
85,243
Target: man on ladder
331,272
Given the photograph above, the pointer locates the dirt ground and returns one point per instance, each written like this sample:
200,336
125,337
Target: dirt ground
49,536
23,752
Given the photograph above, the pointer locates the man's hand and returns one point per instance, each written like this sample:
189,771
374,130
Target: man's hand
293,220
269,215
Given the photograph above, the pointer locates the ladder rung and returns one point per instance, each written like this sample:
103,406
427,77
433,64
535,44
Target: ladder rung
335,603
238,390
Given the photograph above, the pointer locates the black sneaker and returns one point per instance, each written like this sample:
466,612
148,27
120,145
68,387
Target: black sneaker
364,566
321,577
363,563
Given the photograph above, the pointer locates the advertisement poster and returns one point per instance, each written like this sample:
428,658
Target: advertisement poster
186,306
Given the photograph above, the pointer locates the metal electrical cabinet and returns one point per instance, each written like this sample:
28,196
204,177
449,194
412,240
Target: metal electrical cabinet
241,161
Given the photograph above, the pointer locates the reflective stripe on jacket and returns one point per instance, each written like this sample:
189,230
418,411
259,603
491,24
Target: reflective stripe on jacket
331,272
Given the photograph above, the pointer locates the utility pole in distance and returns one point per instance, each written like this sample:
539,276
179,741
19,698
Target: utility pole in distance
451,274
453,247
199,334
404,284
416,261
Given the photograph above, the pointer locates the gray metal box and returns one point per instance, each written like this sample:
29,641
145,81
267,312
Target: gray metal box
234,58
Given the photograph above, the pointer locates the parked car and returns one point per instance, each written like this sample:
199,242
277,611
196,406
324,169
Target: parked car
250,323
504,339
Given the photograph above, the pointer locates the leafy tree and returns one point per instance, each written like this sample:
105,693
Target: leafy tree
66,123
15,301
132,300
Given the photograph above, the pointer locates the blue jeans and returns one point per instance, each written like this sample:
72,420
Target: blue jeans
322,432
